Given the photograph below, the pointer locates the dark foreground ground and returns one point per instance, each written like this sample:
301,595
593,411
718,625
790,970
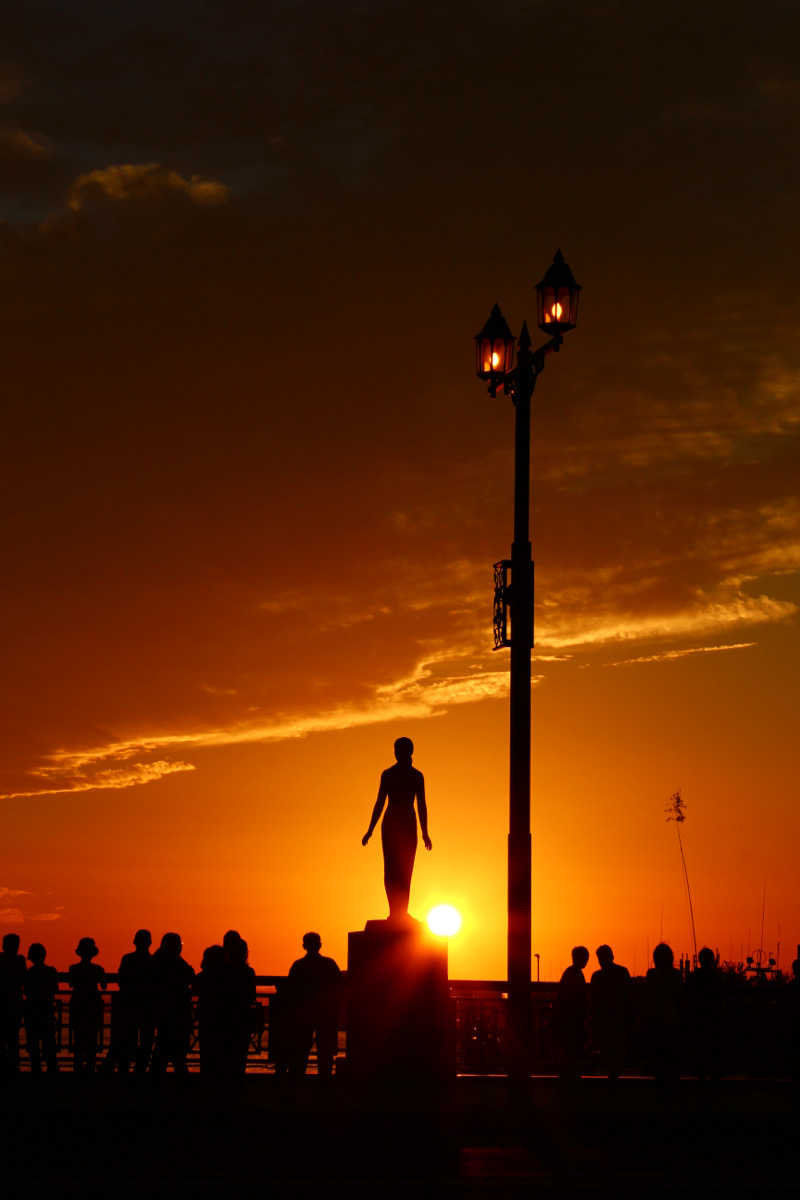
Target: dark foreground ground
123,1136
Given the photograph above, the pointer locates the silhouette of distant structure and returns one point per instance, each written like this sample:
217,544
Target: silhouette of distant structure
401,785
610,1011
313,987
86,979
41,987
570,1014
12,982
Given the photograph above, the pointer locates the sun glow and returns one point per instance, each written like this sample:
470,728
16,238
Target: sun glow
444,920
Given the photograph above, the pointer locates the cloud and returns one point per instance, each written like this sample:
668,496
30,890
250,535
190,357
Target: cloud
422,694
12,892
16,144
68,772
11,916
704,617
131,182
668,655
46,916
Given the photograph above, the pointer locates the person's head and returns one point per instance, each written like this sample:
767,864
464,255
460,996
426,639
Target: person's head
142,939
580,956
312,942
213,958
172,945
605,955
86,949
796,968
707,958
11,943
231,939
403,749
36,953
663,958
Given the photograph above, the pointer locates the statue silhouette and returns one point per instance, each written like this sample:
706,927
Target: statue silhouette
401,785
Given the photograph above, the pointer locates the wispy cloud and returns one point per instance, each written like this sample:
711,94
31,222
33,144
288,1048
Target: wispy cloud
11,916
122,182
113,765
12,893
668,655
561,630
83,771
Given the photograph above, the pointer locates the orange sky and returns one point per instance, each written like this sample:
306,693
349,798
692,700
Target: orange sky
252,491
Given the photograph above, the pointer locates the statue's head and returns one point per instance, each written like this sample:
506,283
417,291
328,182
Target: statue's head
403,749
312,942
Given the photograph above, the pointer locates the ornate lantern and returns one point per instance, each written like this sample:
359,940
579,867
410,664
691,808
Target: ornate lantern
557,298
494,348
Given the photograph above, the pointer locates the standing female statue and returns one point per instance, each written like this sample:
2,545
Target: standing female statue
400,785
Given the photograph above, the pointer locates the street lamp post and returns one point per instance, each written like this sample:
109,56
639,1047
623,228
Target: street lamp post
557,310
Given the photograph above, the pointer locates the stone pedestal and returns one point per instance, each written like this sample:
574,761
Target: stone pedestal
397,1025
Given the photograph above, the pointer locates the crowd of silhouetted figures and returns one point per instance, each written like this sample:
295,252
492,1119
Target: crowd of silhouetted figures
703,1020
706,1021
159,998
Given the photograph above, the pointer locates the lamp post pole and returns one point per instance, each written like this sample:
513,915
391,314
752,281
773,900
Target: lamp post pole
519,828
557,305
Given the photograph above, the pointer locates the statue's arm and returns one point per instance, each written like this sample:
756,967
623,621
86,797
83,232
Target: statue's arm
422,809
376,811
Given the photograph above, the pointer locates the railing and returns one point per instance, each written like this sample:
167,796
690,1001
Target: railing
759,1022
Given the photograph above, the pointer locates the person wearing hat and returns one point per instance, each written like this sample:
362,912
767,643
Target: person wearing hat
86,979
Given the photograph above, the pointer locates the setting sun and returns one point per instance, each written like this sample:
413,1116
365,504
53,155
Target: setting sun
444,920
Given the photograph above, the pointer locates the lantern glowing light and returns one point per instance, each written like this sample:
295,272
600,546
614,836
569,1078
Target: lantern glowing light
557,298
494,348
444,920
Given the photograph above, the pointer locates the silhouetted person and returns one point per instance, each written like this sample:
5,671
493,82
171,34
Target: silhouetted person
240,995
172,981
706,993
133,1027
570,1014
314,981
86,979
609,991
281,1027
209,986
401,785
41,988
12,981
793,1021
663,1017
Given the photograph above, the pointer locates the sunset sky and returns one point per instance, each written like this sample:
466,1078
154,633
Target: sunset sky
252,490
